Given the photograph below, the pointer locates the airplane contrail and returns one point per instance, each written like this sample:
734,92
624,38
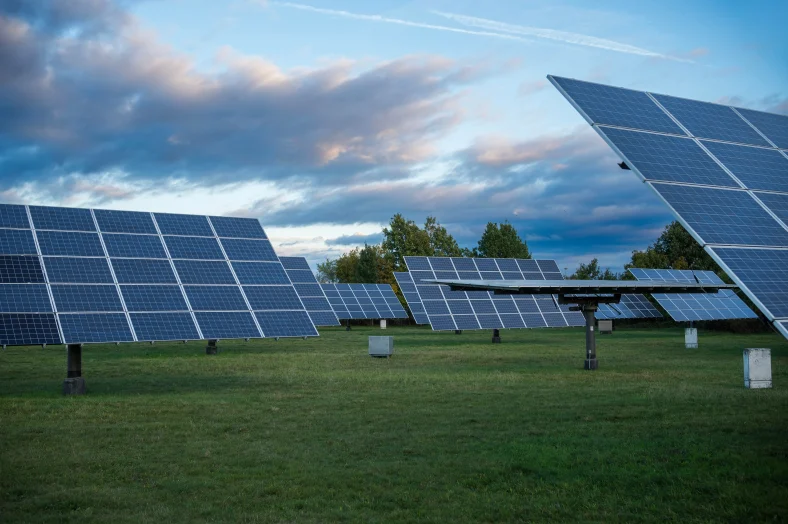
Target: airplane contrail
553,34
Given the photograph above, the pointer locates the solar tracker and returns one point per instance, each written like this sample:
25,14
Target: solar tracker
357,301
457,310
725,304
309,290
630,306
73,276
732,197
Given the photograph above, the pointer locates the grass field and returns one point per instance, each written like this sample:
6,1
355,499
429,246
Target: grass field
452,429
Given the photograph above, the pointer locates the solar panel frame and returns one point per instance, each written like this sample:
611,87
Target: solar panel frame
299,272
357,302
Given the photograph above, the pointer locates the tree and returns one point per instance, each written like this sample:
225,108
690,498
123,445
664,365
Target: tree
367,266
441,242
674,249
327,271
346,266
501,241
404,238
592,271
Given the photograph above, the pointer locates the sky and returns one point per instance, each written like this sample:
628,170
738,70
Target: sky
323,119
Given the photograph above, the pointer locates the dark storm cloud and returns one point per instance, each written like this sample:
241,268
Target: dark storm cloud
85,90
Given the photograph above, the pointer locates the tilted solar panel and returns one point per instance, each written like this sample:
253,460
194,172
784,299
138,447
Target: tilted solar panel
310,292
70,275
408,288
357,301
732,197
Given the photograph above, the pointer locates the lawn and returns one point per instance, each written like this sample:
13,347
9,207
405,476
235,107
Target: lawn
452,429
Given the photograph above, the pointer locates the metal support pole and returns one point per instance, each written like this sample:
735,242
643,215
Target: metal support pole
591,362
496,339
212,348
458,332
348,325
74,383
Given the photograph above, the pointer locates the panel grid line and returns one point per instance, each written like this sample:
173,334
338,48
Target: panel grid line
44,272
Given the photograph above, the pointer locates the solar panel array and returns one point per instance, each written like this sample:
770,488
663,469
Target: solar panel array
309,291
630,306
405,282
458,310
722,170
684,307
72,275
357,301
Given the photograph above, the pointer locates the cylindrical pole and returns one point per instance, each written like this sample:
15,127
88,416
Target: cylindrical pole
591,362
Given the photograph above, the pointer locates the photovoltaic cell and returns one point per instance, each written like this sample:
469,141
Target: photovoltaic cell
83,298
62,218
70,244
756,167
24,298
227,324
237,227
774,127
139,271
28,329
17,242
408,288
668,158
20,270
110,221
204,272
260,273
264,298
309,291
777,204
134,246
357,301
194,248
764,272
285,323
164,326
215,298
95,327
242,249
78,270
14,216
153,298
172,224
296,263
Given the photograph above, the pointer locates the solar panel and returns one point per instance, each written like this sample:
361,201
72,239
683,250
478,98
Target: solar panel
456,310
724,304
356,301
72,275
310,292
741,225
408,288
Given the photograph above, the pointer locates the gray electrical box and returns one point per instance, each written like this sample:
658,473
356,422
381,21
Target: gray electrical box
605,326
381,346
757,368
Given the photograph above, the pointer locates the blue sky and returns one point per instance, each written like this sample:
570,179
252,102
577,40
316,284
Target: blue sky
325,118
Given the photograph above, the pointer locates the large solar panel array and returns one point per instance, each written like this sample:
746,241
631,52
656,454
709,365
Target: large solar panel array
722,170
72,275
309,291
630,306
456,310
357,301
684,307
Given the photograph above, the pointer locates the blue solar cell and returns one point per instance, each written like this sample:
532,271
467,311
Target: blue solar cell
70,244
512,321
308,290
617,106
777,204
110,221
441,264
708,306
435,307
215,298
226,324
505,305
20,270
446,275
172,224
28,329
138,271
134,246
400,313
463,264
722,216
13,216
669,158
553,276
469,275
429,292
481,307
442,323
529,266
323,318
509,275
164,326
489,322
460,307
775,127
491,275
526,304
237,227
764,272
85,298
554,319
757,168
195,248
534,320
548,266
418,276
486,264
62,218
204,272
533,276
295,263
316,304
286,324
466,322
260,273
272,297
241,249
24,298
153,298
508,264
707,120
418,264
17,242
95,327
300,275
78,270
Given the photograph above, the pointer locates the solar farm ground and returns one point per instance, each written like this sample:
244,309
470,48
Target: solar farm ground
452,429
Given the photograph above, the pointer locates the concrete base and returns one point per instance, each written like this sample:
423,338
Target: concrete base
691,338
212,348
74,386
458,332
591,364
757,368
382,323
496,338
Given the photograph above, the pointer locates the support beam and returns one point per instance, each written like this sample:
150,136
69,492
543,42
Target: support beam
496,338
588,311
348,325
74,383
212,348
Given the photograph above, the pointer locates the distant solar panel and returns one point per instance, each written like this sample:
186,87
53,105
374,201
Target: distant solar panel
357,301
408,288
310,292
725,304
71,275
732,197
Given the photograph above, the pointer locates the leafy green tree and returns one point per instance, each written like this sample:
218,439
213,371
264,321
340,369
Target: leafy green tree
674,249
442,243
327,271
367,266
501,241
592,271
404,238
347,265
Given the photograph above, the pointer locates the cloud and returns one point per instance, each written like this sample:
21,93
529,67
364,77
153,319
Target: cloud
533,87
355,239
555,35
86,90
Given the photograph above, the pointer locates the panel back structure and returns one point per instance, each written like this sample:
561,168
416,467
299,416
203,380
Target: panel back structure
357,301
630,306
725,304
457,310
72,276
722,171
309,291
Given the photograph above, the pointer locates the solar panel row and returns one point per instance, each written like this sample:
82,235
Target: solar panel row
309,290
357,301
80,276
630,306
458,310
722,170
405,282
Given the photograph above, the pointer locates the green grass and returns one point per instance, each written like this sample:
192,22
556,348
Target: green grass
452,429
